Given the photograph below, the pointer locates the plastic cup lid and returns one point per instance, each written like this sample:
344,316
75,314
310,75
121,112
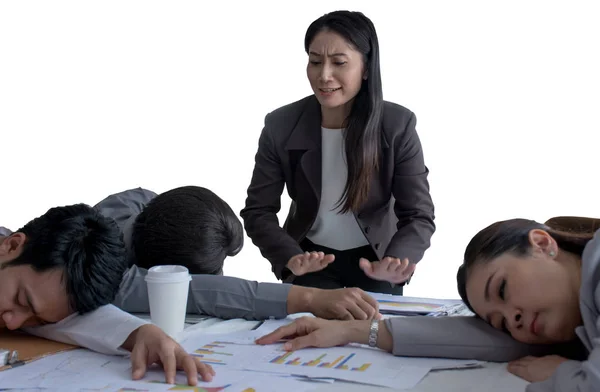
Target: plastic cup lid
168,273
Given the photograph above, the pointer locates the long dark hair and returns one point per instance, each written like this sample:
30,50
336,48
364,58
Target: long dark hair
512,236
363,125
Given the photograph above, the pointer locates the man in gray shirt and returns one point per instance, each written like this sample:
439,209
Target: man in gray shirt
151,227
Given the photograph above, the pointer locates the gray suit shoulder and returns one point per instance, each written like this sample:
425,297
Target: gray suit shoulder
289,114
131,197
281,122
396,119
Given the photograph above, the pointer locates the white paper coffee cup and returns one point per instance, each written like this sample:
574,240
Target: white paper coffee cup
168,287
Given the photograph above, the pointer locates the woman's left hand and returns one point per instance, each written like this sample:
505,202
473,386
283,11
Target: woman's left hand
390,269
535,369
311,332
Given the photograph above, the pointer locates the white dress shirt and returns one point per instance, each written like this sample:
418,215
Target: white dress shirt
104,330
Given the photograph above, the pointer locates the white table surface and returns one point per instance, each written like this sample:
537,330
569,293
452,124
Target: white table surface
493,377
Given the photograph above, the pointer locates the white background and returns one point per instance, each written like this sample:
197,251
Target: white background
99,97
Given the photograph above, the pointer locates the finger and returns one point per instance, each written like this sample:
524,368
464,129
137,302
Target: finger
139,363
404,264
517,370
404,274
520,370
519,367
511,366
369,305
191,368
401,271
300,342
384,263
524,361
345,315
206,371
298,258
279,334
314,256
169,365
294,261
329,257
304,265
394,265
323,263
366,266
410,269
356,311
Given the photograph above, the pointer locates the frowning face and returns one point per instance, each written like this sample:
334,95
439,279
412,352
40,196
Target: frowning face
335,70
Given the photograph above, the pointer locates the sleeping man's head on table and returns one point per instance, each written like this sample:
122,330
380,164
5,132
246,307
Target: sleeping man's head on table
194,227
71,260
74,259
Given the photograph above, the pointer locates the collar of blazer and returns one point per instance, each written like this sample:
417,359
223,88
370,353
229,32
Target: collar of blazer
306,134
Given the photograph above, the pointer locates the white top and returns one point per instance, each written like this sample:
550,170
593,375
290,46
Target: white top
332,229
104,330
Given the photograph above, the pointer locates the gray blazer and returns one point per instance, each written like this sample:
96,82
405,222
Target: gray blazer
213,295
398,217
472,338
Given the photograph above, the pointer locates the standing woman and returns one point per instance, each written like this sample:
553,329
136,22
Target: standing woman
361,212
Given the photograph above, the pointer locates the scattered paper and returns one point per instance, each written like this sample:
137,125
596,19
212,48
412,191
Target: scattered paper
415,306
82,370
349,363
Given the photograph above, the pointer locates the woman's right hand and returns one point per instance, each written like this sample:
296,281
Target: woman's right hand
308,262
311,332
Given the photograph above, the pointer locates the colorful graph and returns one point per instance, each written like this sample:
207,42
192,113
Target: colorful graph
210,353
410,305
182,387
132,390
197,389
339,363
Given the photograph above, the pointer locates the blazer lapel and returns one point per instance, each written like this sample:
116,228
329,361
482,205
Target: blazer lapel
305,144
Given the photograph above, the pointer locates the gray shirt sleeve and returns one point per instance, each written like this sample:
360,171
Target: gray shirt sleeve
464,338
213,295
124,205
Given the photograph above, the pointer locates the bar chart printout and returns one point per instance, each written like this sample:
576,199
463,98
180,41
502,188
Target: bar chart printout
348,363
339,362
214,353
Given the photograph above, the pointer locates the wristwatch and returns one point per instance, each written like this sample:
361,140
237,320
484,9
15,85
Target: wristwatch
373,333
